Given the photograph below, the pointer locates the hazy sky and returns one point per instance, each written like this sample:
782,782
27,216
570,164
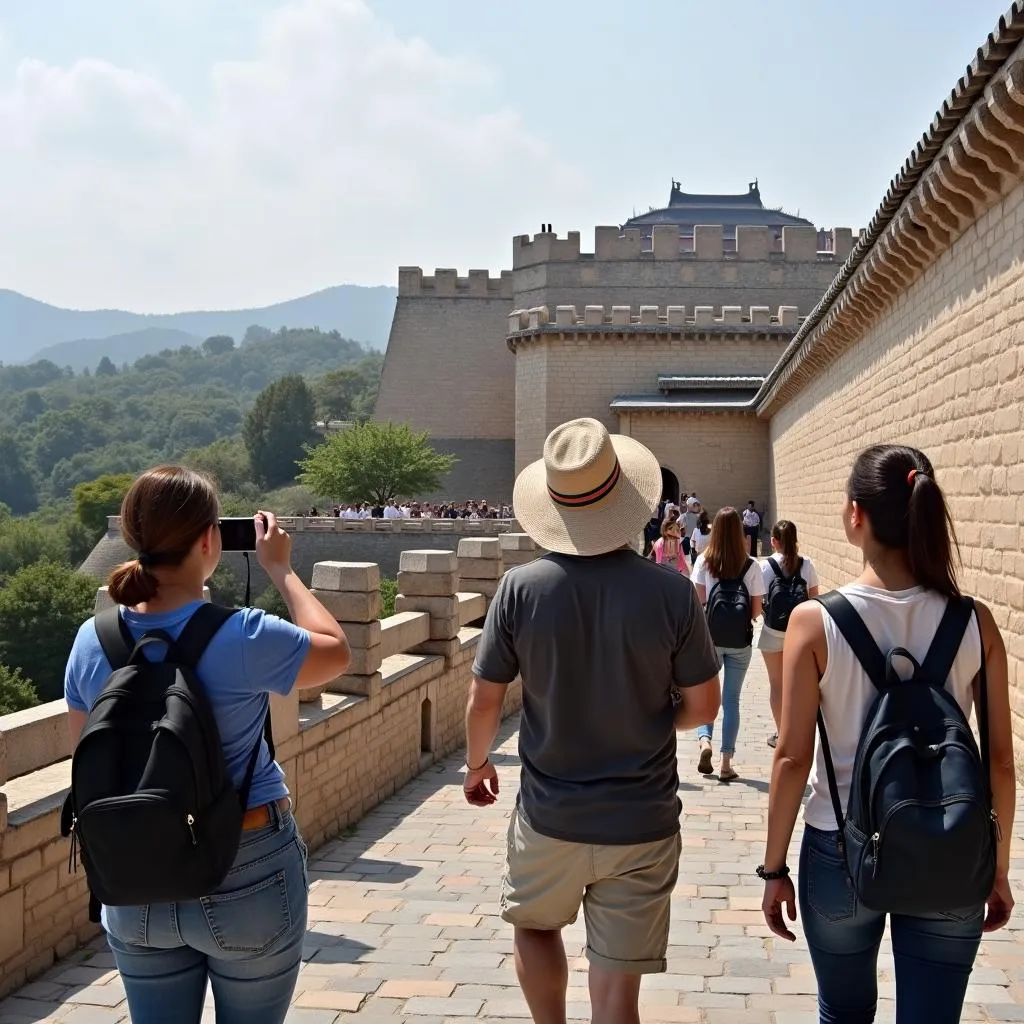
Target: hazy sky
160,155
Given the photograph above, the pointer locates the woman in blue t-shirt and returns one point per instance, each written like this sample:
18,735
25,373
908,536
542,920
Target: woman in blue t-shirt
246,937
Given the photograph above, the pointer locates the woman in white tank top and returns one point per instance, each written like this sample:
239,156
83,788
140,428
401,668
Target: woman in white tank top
896,514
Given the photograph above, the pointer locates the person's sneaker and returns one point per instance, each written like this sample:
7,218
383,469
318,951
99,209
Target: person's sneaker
704,762
773,739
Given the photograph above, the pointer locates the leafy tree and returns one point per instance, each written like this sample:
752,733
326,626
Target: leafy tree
17,485
375,462
225,587
218,345
277,429
16,692
336,393
192,428
41,608
226,461
106,368
388,593
271,601
99,498
24,541
256,333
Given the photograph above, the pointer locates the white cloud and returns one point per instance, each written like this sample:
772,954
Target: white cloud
340,150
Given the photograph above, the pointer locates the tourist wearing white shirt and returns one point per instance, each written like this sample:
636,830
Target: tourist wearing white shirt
785,554
725,558
751,527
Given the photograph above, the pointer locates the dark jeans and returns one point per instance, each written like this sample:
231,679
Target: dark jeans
933,956
751,532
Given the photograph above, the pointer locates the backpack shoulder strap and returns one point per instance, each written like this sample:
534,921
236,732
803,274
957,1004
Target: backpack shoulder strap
856,634
938,662
200,629
776,568
114,636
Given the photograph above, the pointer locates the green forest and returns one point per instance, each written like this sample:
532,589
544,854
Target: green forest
70,443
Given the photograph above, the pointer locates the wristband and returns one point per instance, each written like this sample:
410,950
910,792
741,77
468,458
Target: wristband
478,767
772,876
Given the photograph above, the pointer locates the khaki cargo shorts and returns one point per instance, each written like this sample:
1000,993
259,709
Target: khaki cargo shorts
625,892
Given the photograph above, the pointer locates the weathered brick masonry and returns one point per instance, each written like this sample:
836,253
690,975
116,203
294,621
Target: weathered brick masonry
922,341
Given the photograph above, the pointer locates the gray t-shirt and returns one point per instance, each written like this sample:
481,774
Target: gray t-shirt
600,643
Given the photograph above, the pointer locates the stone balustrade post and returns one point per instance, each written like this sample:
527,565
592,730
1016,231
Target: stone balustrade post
428,581
480,566
518,549
350,591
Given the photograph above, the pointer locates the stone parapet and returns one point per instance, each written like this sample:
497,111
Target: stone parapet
518,549
680,318
481,565
351,592
448,284
442,608
797,244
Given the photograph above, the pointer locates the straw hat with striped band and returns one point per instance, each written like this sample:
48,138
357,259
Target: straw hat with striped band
591,493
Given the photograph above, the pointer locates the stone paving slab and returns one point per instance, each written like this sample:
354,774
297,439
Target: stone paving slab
403,921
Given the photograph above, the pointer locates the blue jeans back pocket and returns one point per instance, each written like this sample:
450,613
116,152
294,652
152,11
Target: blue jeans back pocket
252,919
829,889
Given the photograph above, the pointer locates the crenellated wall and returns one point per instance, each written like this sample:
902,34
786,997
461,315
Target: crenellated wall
344,747
676,317
799,244
447,284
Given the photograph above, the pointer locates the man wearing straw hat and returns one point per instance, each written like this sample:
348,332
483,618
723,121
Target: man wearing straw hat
614,655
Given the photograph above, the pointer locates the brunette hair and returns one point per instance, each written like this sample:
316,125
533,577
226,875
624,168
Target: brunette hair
703,523
667,524
784,532
163,514
895,486
726,553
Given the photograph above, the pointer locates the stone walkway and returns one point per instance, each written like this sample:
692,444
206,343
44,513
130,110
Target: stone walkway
403,922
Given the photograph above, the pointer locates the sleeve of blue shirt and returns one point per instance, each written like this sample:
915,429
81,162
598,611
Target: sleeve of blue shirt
72,671
273,650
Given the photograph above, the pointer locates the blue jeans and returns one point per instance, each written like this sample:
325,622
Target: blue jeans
246,938
933,955
735,661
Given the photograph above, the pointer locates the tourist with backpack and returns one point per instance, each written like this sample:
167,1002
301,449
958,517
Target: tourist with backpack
701,536
789,579
730,586
177,810
909,818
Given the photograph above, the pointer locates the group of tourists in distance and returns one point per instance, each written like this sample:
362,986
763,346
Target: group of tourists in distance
183,819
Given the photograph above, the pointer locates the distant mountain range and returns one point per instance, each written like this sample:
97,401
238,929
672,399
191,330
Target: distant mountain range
31,330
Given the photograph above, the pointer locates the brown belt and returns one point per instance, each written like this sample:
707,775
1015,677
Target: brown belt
260,817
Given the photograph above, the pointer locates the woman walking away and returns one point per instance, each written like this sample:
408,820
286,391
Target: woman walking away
789,580
700,538
729,584
917,828
179,722
668,548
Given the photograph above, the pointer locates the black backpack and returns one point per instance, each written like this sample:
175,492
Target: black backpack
919,832
784,594
151,805
728,612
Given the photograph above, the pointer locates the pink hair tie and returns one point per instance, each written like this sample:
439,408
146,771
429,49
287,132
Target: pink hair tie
910,477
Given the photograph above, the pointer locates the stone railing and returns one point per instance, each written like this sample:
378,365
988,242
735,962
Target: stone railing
344,746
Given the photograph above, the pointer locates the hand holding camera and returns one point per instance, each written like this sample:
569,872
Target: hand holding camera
273,546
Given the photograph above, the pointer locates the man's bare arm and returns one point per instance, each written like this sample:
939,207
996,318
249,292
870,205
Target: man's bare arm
700,704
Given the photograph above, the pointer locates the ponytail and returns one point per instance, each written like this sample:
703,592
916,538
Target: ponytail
895,486
784,533
131,583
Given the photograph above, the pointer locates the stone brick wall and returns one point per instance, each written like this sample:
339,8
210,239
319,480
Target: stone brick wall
447,368
941,369
720,456
563,375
